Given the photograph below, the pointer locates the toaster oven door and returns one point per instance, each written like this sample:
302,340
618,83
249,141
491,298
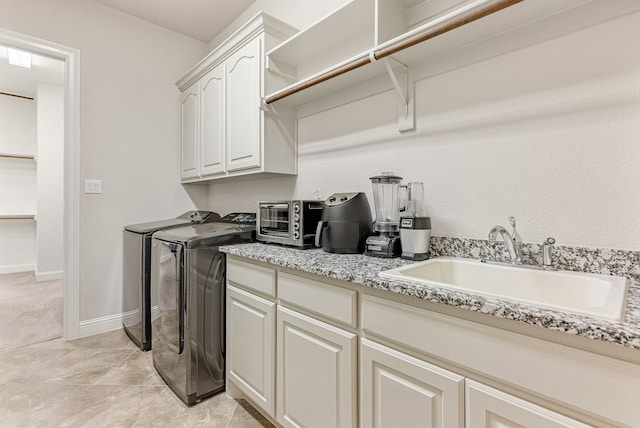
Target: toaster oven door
275,220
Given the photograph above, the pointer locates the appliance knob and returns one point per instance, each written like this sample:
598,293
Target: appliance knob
343,198
296,226
296,234
296,217
332,200
296,208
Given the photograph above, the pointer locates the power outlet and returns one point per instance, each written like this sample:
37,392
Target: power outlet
92,186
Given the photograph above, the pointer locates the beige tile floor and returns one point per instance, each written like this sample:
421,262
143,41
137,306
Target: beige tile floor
102,381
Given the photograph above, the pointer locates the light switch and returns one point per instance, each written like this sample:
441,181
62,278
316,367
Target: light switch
92,186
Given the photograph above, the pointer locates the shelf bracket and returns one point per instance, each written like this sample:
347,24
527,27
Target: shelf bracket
399,75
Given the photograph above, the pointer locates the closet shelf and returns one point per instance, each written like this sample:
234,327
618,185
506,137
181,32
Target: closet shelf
16,156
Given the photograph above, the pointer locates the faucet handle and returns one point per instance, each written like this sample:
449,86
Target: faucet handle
515,236
546,252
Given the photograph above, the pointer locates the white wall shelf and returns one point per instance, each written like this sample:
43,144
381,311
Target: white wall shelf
362,27
17,216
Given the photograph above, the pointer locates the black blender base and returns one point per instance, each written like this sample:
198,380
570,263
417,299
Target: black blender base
385,246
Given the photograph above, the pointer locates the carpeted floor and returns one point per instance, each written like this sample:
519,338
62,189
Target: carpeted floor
30,311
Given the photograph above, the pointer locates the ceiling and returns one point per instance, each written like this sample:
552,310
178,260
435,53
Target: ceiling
24,81
199,19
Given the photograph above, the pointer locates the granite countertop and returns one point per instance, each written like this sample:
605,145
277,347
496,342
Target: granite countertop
361,269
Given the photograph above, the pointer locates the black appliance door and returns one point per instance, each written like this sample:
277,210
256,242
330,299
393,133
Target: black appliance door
170,290
170,356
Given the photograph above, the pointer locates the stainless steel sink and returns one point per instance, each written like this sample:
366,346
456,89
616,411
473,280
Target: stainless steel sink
599,296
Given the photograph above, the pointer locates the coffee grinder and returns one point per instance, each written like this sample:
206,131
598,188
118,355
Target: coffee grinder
415,226
386,198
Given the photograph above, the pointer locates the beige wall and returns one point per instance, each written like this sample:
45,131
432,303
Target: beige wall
128,132
547,133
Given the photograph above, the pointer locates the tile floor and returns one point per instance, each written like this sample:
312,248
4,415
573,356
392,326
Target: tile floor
102,381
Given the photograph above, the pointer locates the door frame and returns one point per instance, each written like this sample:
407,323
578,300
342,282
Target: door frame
71,215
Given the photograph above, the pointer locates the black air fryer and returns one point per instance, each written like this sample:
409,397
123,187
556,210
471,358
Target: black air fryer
346,223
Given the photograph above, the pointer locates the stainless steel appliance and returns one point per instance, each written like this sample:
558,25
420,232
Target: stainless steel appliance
189,272
386,198
415,226
345,225
288,222
136,273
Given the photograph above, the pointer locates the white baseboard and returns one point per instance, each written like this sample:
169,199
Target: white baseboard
17,268
49,276
100,325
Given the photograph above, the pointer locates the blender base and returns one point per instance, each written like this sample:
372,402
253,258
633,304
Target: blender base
416,257
386,246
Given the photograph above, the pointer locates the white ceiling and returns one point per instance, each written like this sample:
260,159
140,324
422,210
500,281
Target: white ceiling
24,81
198,19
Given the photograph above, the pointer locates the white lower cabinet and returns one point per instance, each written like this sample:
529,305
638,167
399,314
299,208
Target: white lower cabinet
292,350
250,346
489,408
398,390
316,373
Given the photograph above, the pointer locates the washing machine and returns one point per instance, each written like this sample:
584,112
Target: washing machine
137,305
189,273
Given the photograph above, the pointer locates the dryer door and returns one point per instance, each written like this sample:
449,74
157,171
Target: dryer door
167,272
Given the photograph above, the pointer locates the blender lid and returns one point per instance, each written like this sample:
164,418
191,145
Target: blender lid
386,177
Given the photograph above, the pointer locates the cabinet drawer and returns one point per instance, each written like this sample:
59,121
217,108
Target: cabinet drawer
252,277
335,303
554,371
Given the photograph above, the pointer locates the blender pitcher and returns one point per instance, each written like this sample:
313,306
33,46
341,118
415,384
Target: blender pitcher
387,202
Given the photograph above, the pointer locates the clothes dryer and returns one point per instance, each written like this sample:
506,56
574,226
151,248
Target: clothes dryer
189,273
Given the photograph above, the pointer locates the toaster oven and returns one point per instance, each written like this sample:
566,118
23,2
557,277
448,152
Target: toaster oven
290,223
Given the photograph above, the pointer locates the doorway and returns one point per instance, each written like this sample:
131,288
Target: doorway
71,165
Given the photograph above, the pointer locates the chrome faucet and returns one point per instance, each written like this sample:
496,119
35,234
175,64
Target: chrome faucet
512,241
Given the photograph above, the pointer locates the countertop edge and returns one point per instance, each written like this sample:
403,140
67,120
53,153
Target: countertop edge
364,270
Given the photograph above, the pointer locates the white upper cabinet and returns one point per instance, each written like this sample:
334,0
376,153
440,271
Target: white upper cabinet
243,124
189,158
225,133
212,101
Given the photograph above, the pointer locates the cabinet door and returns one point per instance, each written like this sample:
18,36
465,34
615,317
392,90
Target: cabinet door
490,408
250,346
316,386
212,103
398,390
190,134
243,114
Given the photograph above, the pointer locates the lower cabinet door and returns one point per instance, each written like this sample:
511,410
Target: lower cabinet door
398,390
250,346
316,373
489,408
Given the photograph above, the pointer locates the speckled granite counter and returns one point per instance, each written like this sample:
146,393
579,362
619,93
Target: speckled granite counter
364,270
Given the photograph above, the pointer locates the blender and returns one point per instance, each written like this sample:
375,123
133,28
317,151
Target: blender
415,226
386,240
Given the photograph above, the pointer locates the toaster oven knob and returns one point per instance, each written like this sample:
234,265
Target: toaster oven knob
296,226
296,208
296,234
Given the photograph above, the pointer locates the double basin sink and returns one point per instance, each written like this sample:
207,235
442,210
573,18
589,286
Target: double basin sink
593,295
